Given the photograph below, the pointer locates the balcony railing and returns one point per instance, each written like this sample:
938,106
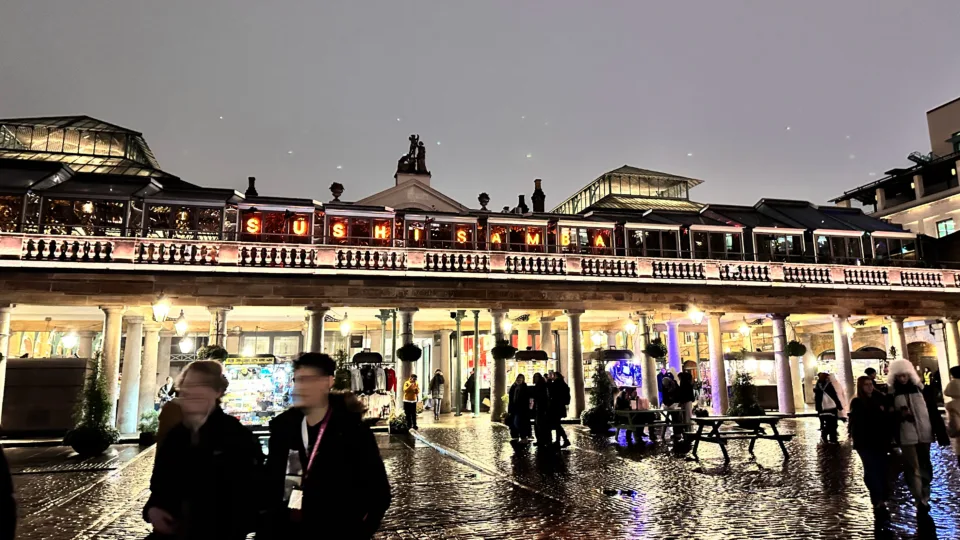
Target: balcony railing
150,254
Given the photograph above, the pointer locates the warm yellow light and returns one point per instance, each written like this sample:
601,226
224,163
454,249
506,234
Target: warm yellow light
339,230
344,326
381,232
248,351
696,316
69,341
186,345
598,241
597,339
507,326
744,330
630,327
462,236
181,325
495,238
533,239
565,237
300,226
161,308
253,225
851,330
88,207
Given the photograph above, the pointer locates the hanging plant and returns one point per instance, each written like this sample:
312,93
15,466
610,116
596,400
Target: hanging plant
656,349
795,348
409,353
212,352
503,350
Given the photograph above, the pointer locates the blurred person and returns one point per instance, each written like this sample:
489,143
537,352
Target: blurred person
469,387
340,488
559,392
436,392
869,427
542,412
518,409
828,405
206,463
952,391
685,398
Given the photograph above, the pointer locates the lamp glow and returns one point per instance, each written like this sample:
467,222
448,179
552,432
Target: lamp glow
69,341
744,330
248,351
186,345
344,326
161,308
507,326
696,316
630,327
597,338
181,325
851,330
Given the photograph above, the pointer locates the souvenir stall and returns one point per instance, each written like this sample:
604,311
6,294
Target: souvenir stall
528,363
260,388
485,360
374,382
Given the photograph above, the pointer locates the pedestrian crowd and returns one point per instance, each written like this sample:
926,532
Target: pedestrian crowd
544,404
899,418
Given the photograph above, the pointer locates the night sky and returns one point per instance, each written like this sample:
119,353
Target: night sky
759,99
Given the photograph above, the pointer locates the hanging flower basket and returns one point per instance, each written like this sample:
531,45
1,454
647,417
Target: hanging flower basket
795,348
503,350
656,349
409,353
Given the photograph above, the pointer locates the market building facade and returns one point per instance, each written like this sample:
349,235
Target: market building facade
102,250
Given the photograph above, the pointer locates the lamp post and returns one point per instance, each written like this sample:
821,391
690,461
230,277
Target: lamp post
458,376
476,363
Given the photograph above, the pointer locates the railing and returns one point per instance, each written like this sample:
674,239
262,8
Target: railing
19,250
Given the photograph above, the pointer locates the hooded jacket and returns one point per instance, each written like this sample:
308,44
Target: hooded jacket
908,403
346,493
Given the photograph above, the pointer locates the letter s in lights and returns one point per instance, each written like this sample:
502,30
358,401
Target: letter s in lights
253,225
462,236
339,230
300,226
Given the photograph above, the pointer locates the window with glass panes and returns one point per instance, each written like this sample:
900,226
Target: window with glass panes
523,238
593,241
180,221
653,243
895,249
268,226
360,231
779,247
717,245
944,227
839,248
84,217
11,207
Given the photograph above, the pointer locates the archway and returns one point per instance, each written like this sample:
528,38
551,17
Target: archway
923,355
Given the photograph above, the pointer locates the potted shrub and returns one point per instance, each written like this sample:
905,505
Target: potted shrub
149,423
744,401
212,352
600,413
795,348
397,423
409,353
93,433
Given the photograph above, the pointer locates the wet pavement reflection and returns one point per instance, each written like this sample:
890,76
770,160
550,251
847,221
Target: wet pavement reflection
463,478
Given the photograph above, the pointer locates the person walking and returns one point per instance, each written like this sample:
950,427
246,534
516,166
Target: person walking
670,394
915,430
8,504
343,490
869,427
559,392
828,405
685,399
411,395
469,387
206,463
436,393
518,410
878,385
542,412
952,391
165,393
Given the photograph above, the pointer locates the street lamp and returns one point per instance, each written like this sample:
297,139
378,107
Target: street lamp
696,316
161,308
186,345
630,327
507,326
744,329
181,325
69,341
344,326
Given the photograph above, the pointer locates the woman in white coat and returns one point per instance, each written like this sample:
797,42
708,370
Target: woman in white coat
915,430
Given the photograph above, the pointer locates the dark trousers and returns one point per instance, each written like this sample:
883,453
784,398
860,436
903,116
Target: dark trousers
558,426
828,425
875,463
542,430
520,425
410,411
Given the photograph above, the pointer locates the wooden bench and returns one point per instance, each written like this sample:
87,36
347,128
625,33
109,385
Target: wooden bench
633,420
720,437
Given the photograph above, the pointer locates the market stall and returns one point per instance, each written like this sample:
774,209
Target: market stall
259,388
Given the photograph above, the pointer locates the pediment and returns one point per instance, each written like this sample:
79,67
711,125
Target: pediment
413,194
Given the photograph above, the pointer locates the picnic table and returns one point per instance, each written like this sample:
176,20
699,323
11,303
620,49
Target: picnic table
752,432
637,420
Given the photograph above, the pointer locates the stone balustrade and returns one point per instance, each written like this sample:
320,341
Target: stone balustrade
145,254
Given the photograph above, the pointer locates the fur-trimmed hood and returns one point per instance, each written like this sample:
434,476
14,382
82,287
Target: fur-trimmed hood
903,366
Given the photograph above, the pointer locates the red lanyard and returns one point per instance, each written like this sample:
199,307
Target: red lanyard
316,444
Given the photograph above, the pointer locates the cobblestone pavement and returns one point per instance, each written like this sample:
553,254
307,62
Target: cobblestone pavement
464,479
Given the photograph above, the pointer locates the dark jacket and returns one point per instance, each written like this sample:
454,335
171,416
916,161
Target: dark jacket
347,492
670,391
819,389
933,395
8,506
471,384
870,423
685,389
541,401
200,484
559,397
519,402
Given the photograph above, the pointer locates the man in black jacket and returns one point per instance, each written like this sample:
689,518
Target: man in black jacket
344,491
559,399
8,506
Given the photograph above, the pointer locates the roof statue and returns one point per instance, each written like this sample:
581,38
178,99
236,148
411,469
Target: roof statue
415,160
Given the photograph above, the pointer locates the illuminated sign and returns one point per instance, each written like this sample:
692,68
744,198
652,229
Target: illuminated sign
416,235
253,225
300,226
462,236
565,237
533,239
598,241
339,230
495,238
381,232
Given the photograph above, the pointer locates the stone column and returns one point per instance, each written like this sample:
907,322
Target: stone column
546,336
233,341
785,398
897,337
648,367
809,369
841,350
406,336
446,360
163,356
673,346
127,416
218,325
575,362
85,343
523,337
718,376
918,187
499,366
112,330
148,371
315,315
5,314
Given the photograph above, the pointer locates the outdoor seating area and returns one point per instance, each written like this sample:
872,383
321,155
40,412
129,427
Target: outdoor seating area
748,428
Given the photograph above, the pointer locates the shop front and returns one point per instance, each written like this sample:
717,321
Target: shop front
260,388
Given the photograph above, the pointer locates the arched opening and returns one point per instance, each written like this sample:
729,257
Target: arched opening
923,355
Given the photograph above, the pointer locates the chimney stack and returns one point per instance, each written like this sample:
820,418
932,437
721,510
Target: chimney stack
522,207
539,197
251,187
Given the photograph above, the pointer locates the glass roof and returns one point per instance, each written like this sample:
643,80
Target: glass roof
684,218
93,186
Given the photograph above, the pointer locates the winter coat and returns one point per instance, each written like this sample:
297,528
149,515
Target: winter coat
685,390
953,413
347,492
471,384
826,388
541,401
559,392
436,386
411,391
8,505
519,401
670,391
908,400
870,423
200,483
